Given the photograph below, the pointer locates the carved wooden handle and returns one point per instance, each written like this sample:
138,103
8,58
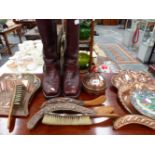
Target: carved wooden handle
105,111
11,108
95,102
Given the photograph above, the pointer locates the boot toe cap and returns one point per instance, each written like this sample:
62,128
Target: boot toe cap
51,91
71,91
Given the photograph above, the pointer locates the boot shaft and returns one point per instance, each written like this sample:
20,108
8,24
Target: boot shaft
48,33
47,29
72,36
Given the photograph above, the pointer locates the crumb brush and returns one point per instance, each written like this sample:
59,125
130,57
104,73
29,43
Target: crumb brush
102,111
78,119
15,101
72,119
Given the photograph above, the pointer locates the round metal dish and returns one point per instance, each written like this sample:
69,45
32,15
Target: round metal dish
129,77
94,83
124,94
144,102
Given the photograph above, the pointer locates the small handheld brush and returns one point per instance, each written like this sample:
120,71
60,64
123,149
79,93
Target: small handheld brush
72,119
66,109
15,101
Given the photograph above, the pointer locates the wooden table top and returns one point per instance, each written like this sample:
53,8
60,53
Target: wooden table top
104,128
25,21
10,29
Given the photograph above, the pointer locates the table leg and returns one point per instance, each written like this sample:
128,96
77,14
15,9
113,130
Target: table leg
7,44
152,51
1,42
19,35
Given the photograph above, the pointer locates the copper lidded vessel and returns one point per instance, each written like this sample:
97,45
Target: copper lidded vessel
94,83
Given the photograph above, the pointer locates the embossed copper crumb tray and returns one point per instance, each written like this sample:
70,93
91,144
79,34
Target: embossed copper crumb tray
128,77
124,94
31,84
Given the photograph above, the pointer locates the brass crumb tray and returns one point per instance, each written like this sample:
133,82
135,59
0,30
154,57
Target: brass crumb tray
31,84
124,93
129,77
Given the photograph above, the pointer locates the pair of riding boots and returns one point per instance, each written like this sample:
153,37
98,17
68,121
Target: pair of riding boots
54,84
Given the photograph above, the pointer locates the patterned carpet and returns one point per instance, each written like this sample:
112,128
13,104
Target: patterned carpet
110,41
135,67
118,54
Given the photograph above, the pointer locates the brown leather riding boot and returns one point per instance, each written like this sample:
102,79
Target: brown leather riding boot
51,69
71,86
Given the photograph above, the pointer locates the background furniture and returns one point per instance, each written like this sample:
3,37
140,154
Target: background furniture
26,23
1,42
152,52
6,31
110,21
147,46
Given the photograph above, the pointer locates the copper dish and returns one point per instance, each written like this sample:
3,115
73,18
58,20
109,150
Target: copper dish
125,91
129,77
31,84
94,83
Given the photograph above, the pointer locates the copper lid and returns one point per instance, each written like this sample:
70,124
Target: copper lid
94,83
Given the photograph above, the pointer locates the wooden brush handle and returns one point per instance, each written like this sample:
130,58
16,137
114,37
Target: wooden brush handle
113,115
11,109
105,111
10,117
95,102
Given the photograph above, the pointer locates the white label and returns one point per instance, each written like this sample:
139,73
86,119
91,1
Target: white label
96,82
76,22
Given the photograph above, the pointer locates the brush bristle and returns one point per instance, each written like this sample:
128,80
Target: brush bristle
18,94
66,119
